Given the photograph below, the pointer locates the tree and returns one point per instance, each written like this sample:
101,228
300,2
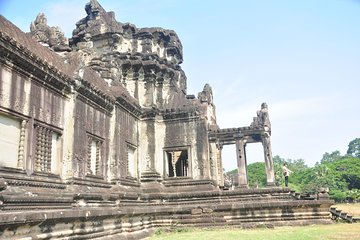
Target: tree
354,148
257,174
278,163
340,174
348,170
297,165
330,157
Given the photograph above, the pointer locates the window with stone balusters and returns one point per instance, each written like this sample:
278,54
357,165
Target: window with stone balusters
94,156
47,150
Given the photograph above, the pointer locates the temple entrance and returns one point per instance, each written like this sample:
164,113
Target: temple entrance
177,163
255,158
254,152
259,131
228,154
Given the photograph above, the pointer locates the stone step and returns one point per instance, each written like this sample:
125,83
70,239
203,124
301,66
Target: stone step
337,213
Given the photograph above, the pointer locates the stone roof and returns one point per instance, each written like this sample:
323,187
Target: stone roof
31,46
68,66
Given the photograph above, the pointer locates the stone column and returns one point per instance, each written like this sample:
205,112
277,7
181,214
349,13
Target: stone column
241,163
213,161
175,155
67,171
111,164
269,164
21,151
220,167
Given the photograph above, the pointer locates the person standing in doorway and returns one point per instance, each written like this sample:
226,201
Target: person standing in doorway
286,173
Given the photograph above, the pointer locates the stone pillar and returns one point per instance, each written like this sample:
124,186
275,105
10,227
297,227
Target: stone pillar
241,163
21,151
220,165
216,167
67,171
111,165
269,164
148,144
29,164
213,162
175,155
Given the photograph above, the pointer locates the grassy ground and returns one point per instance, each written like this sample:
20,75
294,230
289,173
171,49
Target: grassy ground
351,208
314,232
337,231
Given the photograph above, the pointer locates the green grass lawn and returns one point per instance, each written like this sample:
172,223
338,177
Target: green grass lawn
312,232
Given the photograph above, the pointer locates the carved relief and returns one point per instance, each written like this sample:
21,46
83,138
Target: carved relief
5,99
50,36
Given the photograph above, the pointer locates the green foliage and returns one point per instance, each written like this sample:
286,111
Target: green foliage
256,174
337,195
354,194
159,231
297,166
234,171
330,157
340,174
354,148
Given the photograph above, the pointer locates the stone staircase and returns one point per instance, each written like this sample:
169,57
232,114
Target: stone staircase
304,196
337,214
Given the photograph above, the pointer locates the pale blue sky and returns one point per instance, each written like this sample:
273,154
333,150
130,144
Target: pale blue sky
301,57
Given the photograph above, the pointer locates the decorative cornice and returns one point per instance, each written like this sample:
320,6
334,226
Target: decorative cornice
17,177
97,99
20,59
131,108
89,181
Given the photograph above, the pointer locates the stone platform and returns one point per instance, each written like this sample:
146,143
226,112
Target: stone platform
99,139
118,212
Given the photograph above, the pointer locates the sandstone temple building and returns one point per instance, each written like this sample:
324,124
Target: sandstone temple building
99,139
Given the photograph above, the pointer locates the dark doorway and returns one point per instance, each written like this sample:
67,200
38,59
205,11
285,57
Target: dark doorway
181,165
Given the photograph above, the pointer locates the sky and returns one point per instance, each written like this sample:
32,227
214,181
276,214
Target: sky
300,57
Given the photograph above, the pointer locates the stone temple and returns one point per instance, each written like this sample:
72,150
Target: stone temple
100,140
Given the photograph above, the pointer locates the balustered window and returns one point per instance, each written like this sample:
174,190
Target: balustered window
177,163
47,150
94,156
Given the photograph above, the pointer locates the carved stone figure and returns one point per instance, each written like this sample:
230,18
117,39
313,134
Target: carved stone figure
264,115
206,95
262,118
51,36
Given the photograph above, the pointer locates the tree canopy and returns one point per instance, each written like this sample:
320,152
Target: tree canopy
354,148
340,174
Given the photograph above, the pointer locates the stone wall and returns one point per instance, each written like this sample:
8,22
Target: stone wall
104,141
118,214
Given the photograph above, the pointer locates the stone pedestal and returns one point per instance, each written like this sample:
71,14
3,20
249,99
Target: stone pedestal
150,176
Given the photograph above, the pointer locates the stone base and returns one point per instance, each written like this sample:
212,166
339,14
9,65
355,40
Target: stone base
150,176
132,212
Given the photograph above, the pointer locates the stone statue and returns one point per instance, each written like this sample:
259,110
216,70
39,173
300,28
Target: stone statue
50,36
206,95
264,115
262,118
